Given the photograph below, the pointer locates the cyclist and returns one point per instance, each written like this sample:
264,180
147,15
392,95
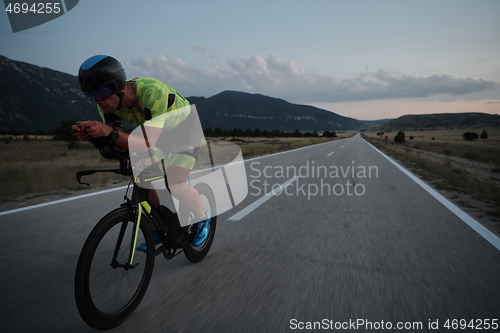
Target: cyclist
102,79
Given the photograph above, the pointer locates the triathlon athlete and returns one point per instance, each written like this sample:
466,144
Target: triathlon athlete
139,102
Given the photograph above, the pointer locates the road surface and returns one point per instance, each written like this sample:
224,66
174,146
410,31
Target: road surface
383,252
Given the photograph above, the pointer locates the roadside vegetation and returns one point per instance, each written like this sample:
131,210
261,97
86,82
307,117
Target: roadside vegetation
468,169
35,163
43,164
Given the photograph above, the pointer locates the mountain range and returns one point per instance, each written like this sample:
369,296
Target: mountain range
36,98
233,109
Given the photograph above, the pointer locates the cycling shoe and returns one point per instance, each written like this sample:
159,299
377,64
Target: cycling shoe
201,233
157,240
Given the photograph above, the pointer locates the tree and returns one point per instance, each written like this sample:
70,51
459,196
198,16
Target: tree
248,133
237,132
484,135
64,132
275,133
400,137
328,134
470,136
208,132
218,132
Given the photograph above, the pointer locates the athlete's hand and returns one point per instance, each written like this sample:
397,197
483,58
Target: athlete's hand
95,129
80,133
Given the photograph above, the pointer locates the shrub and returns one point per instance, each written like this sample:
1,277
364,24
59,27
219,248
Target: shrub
484,135
470,136
400,137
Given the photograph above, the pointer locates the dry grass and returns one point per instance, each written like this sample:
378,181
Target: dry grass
42,165
450,142
483,192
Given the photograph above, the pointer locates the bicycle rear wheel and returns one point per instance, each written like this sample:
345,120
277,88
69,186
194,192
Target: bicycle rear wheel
107,287
198,253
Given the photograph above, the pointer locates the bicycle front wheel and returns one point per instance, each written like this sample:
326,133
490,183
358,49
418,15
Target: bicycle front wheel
109,285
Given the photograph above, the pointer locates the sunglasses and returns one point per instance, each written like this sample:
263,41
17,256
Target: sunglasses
99,94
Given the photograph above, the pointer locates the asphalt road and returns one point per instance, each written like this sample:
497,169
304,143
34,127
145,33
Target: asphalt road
382,251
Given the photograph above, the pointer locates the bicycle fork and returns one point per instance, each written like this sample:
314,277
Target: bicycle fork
130,263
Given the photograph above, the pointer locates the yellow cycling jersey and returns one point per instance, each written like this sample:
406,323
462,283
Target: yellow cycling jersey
155,100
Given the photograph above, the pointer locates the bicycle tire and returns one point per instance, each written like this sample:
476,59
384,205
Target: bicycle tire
99,287
198,253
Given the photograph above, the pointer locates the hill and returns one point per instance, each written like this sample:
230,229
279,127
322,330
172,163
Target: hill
442,121
233,109
374,123
36,98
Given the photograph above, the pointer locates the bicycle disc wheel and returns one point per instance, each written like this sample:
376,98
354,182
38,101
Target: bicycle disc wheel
107,288
198,253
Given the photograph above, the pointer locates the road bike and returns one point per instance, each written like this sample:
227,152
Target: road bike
112,276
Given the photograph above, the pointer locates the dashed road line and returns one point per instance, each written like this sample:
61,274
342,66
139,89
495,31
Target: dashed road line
257,203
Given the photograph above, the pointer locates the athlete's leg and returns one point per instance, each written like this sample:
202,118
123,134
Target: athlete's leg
182,191
153,197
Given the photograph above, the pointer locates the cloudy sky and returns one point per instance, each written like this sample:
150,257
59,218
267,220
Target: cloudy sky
362,59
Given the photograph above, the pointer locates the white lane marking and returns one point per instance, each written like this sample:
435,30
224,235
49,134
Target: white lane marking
476,226
123,187
342,147
250,208
60,201
289,151
331,153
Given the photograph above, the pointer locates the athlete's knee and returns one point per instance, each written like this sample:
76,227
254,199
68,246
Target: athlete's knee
179,189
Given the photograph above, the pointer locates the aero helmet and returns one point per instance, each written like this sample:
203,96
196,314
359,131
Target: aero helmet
101,76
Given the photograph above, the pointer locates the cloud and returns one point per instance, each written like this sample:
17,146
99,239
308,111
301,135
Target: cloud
188,80
290,80
201,49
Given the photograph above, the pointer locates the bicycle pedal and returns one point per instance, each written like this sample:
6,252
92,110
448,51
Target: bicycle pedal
169,253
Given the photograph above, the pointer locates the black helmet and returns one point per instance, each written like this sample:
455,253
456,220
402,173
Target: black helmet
101,76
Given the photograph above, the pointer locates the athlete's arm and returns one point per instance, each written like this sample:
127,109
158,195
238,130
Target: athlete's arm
96,129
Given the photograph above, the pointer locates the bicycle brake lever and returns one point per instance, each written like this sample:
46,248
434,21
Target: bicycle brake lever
78,179
80,174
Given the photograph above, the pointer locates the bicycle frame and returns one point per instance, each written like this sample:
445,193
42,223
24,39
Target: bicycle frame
140,202
141,207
